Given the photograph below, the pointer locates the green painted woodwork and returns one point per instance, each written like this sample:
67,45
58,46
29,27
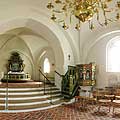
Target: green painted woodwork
80,75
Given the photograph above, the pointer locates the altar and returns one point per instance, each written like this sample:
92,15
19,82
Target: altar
15,70
16,77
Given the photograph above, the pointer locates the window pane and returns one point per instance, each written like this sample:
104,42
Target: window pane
113,55
46,66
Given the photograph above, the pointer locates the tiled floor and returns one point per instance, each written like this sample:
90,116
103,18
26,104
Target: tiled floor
65,112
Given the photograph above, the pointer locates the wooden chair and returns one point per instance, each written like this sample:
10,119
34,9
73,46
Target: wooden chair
116,102
82,99
104,100
92,97
85,98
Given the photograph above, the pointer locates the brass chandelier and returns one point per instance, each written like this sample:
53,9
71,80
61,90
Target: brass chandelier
102,11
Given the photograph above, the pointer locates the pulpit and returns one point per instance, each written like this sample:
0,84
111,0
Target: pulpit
86,74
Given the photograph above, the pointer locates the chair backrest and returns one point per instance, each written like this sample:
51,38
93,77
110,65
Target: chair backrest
117,92
99,93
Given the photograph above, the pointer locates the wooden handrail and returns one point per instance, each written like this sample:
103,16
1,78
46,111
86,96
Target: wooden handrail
58,73
45,85
66,73
44,76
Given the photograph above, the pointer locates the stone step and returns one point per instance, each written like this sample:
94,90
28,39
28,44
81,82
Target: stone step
28,96
2,107
32,106
51,104
35,100
28,99
29,92
27,89
27,103
22,85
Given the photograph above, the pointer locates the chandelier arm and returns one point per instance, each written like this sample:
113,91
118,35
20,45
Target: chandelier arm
57,11
84,11
71,16
104,13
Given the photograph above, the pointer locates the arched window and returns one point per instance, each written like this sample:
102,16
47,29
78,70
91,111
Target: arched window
113,55
46,66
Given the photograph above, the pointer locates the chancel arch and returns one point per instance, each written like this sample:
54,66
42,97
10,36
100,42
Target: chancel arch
56,38
49,54
29,65
28,68
13,43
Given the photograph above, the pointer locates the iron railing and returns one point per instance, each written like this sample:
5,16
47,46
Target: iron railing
49,82
6,97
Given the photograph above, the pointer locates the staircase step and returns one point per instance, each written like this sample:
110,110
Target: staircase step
27,89
34,107
2,101
12,101
30,93
23,97
2,108
29,96
23,85
27,103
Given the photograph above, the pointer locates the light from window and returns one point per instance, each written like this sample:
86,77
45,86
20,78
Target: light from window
46,66
113,55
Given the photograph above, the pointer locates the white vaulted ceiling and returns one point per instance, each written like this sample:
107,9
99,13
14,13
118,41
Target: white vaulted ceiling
20,13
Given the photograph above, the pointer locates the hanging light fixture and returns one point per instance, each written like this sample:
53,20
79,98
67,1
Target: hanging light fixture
104,11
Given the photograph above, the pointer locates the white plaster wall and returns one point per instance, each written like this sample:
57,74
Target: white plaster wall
29,9
57,41
58,81
35,43
97,54
34,15
19,10
90,38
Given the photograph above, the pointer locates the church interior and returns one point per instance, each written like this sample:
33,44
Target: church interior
59,60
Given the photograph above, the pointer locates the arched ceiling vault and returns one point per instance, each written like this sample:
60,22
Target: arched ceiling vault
17,15
5,38
11,34
19,19
19,32
106,35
